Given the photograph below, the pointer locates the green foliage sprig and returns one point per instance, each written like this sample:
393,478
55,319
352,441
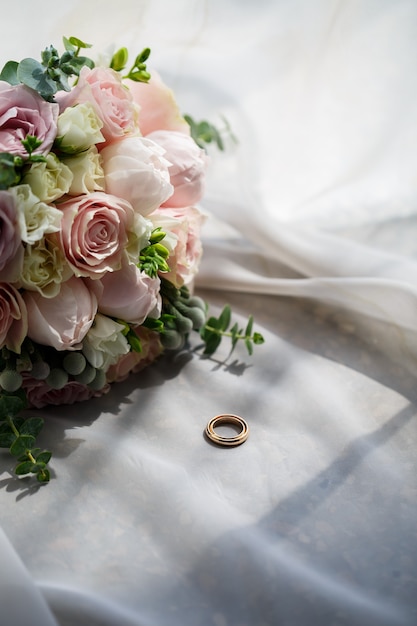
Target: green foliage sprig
138,72
216,328
19,435
205,133
182,313
51,74
12,165
153,258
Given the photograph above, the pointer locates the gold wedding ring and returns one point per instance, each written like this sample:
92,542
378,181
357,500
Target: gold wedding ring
227,418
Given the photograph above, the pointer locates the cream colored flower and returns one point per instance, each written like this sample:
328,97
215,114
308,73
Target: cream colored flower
104,343
79,128
50,179
36,218
44,268
138,237
86,171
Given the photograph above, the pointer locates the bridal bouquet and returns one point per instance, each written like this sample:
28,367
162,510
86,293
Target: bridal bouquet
100,177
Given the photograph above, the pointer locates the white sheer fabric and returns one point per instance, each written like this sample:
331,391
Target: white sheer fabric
312,520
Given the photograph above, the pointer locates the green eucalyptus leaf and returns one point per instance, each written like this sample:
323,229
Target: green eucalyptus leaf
249,326
11,405
69,47
21,444
9,73
7,439
32,426
43,457
78,43
24,468
32,74
212,341
225,317
249,346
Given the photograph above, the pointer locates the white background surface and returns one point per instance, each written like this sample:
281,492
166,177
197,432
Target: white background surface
313,229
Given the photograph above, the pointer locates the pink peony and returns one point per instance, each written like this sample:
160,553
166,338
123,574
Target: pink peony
23,112
10,236
135,169
13,318
134,362
112,102
130,295
158,108
188,167
185,224
94,233
63,321
40,394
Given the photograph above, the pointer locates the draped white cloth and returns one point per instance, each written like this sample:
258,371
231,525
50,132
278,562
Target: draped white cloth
312,228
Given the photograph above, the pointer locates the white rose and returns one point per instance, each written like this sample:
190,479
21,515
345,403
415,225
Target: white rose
44,268
105,342
50,179
78,128
136,170
87,172
35,218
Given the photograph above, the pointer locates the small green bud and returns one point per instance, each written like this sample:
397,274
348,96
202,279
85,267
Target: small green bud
119,59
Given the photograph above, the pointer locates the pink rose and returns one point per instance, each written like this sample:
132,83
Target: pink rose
188,167
185,224
112,102
134,362
94,233
63,321
13,318
11,249
130,295
23,112
158,108
39,394
136,170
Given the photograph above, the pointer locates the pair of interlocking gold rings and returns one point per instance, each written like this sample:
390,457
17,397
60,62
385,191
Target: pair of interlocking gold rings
227,418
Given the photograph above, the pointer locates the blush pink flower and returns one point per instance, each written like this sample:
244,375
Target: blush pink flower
158,107
10,236
94,233
23,112
112,102
13,318
134,362
130,295
40,394
188,167
136,169
63,321
185,254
